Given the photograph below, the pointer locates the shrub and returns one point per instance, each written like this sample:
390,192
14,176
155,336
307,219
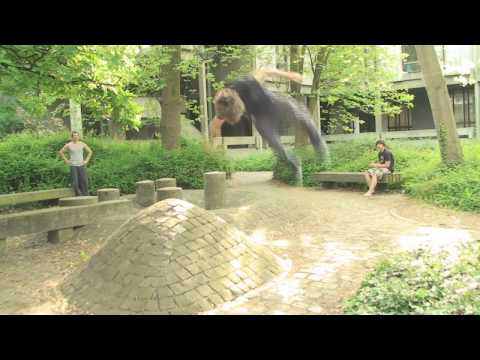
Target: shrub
30,162
420,282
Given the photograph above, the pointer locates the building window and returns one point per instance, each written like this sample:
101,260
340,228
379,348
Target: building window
410,63
400,122
463,103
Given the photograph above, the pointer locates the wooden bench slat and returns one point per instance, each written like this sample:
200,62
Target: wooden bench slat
353,177
33,196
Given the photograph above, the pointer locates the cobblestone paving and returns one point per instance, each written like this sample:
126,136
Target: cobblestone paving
331,238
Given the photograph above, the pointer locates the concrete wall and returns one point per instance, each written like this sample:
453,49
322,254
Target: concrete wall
422,117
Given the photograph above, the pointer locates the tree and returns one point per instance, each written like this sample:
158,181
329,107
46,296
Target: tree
40,76
352,78
172,102
297,58
450,147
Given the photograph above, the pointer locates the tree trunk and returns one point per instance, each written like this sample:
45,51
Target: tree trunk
320,62
297,55
76,117
172,101
441,105
114,128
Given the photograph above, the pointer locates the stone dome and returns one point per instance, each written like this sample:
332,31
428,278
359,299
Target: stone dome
171,258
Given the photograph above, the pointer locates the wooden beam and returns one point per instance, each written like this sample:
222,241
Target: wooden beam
34,196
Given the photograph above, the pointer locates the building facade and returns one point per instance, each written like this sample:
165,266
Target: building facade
461,68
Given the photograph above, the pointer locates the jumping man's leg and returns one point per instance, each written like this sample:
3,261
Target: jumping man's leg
302,115
269,132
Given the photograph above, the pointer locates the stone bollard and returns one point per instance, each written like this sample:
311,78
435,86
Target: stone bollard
146,193
165,182
108,194
214,193
169,193
77,201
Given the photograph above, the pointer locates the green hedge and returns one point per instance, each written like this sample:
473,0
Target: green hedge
29,162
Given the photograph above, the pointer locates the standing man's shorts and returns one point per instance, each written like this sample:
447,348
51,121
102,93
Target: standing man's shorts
379,172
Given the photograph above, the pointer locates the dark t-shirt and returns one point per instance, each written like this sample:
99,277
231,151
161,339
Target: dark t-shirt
385,156
258,100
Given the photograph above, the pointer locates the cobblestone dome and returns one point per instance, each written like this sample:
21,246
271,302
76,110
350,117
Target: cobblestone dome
171,258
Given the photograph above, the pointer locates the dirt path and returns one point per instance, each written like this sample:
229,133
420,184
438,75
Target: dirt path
330,238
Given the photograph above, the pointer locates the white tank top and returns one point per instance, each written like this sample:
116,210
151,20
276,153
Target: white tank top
76,154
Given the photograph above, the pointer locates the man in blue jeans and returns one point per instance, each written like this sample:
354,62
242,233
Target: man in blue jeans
78,166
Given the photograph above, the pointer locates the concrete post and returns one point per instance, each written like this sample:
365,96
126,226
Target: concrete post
145,194
76,117
108,194
169,193
214,193
165,182
477,109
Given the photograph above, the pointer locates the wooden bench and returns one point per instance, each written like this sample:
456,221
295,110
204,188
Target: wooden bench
355,178
34,196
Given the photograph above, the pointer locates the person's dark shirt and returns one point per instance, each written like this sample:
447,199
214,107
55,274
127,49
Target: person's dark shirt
385,156
256,98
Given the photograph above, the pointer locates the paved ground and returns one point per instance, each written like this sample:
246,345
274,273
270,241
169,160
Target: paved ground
329,238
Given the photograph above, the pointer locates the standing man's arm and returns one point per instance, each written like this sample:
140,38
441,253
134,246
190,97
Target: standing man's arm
89,153
62,154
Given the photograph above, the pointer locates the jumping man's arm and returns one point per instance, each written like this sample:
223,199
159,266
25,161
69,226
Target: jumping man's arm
263,74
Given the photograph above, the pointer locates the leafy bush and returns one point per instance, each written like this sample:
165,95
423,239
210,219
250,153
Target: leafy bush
420,282
29,162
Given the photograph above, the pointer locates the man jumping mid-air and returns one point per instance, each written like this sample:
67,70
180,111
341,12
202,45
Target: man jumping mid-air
266,109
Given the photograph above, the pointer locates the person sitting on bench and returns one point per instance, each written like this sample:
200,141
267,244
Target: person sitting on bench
376,171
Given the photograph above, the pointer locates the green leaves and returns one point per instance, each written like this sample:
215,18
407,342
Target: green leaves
30,162
420,282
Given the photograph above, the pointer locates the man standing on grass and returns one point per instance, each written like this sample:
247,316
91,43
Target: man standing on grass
78,166
385,165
